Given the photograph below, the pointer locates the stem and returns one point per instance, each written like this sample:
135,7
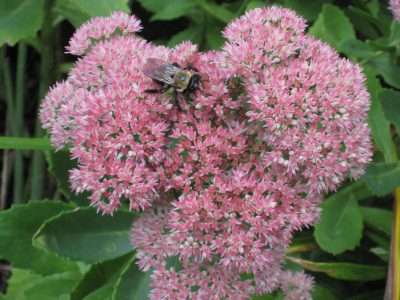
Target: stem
392,290
396,246
46,66
16,143
394,267
18,121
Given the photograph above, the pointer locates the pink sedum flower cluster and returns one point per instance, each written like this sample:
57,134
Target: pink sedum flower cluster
297,285
225,175
394,6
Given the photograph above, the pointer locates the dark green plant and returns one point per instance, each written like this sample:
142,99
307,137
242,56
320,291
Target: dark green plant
62,248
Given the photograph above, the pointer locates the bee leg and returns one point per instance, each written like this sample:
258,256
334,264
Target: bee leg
191,68
152,91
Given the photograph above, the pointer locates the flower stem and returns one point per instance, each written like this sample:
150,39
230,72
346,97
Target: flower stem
46,67
18,119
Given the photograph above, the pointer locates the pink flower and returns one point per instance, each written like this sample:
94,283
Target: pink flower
225,175
296,285
394,6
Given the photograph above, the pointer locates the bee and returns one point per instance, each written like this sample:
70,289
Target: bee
173,76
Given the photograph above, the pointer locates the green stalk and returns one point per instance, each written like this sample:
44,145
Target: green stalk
18,118
8,90
46,68
16,143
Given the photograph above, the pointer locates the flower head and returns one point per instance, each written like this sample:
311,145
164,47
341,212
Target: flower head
394,6
231,170
296,285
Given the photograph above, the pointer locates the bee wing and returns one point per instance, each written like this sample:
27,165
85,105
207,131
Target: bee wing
159,70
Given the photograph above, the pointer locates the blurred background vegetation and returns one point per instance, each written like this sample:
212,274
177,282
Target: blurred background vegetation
349,252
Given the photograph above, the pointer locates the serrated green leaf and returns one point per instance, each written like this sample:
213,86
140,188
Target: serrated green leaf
390,101
19,19
84,235
56,286
99,275
306,8
340,226
17,227
133,284
382,178
60,163
378,218
333,26
380,127
174,10
343,271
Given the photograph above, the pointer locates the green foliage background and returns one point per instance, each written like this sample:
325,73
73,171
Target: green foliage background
61,249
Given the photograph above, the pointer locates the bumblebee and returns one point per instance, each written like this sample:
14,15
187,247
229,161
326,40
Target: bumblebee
168,76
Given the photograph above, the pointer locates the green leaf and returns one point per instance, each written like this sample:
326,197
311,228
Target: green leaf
16,143
383,178
380,127
20,281
99,275
192,33
394,38
343,271
381,253
133,284
255,4
102,8
69,10
340,226
387,68
306,8
332,26
102,293
320,292
154,5
217,11
56,286
174,10
370,295
390,101
84,235
78,12
356,49
214,37
380,239
19,19
378,218
60,164
18,225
